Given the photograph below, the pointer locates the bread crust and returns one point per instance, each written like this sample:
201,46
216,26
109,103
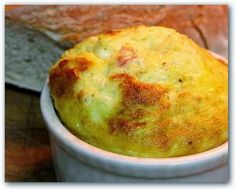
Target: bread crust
206,25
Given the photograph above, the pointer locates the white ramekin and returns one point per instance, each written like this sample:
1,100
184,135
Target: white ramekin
78,161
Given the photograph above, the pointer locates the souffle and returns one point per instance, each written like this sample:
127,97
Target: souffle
143,92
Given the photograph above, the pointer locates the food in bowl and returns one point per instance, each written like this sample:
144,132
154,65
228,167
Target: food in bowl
143,92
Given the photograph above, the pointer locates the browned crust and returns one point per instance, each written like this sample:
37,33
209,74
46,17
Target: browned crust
135,92
135,97
119,124
63,77
112,32
61,81
140,100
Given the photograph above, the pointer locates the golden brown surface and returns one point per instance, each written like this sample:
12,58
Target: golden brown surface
205,24
142,91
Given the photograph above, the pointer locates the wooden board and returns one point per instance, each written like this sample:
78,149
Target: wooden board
27,149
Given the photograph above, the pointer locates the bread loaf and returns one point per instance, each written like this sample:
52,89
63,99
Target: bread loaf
55,28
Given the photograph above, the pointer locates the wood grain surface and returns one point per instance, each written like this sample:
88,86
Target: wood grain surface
27,150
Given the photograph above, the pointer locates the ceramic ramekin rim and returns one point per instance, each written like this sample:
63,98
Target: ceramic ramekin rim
74,144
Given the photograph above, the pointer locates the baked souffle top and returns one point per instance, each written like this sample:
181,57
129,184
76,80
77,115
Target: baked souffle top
144,92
